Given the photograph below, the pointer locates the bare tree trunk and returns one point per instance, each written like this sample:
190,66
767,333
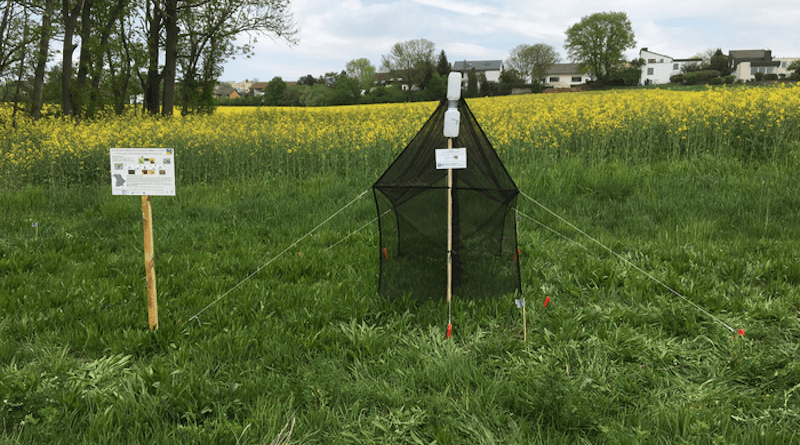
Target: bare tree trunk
41,60
70,17
151,88
171,55
79,92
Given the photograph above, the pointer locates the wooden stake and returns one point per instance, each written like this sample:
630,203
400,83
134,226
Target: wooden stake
524,326
449,238
149,263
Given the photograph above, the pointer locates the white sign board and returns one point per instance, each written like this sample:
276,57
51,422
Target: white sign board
142,171
451,158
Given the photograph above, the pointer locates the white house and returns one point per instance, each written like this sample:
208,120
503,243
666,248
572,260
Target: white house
490,68
782,70
746,63
565,75
658,68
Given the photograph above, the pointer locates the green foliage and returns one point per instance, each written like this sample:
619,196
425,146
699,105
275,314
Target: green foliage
599,40
295,95
346,91
362,71
472,84
385,94
533,60
719,62
442,65
614,358
695,77
794,67
320,95
412,61
274,91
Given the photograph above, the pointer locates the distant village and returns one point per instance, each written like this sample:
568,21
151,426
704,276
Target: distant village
657,68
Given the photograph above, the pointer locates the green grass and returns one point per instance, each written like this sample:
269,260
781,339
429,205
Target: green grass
613,359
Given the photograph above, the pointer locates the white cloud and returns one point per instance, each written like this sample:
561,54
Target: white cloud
335,32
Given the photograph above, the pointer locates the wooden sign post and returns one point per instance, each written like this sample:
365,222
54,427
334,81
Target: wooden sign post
149,263
145,172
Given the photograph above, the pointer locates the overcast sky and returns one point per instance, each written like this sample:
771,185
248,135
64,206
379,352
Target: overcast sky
333,32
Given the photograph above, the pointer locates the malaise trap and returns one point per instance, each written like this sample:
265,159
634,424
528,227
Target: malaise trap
412,204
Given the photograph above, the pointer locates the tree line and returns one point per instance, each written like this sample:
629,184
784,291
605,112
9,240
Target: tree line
170,51
597,43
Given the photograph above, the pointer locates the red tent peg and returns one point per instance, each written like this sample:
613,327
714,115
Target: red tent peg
546,302
449,329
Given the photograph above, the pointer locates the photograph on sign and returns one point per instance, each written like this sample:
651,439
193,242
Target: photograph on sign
451,158
142,171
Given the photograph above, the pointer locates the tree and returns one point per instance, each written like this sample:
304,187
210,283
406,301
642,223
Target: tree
794,67
533,60
346,91
510,78
362,71
472,83
598,41
412,61
690,67
42,53
210,29
308,80
17,34
442,65
273,93
719,62
320,95
70,10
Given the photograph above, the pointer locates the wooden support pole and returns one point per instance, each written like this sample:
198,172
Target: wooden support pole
149,263
449,240
524,326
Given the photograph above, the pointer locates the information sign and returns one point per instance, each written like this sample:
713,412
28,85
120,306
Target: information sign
142,171
447,158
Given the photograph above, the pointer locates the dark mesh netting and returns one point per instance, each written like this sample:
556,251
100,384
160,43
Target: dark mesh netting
411,197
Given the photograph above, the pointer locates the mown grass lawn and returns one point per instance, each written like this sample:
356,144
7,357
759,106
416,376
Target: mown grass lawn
613,358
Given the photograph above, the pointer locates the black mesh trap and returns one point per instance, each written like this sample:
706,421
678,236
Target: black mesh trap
411,198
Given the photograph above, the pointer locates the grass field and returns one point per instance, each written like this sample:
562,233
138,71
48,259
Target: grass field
613,358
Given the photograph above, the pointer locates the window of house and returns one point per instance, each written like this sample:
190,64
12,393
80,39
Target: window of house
676,66
783,64
762,69
651,60
660,60
650,71
554,79
577,79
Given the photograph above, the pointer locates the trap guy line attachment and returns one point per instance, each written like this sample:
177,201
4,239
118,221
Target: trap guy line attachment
225,294
629,263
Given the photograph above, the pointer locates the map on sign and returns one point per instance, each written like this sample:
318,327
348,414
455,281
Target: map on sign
451,158
142,171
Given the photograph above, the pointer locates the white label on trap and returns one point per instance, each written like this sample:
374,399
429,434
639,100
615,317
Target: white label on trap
142,171
520,303
451,158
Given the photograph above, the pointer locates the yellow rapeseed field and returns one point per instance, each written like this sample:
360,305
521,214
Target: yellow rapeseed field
751,124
